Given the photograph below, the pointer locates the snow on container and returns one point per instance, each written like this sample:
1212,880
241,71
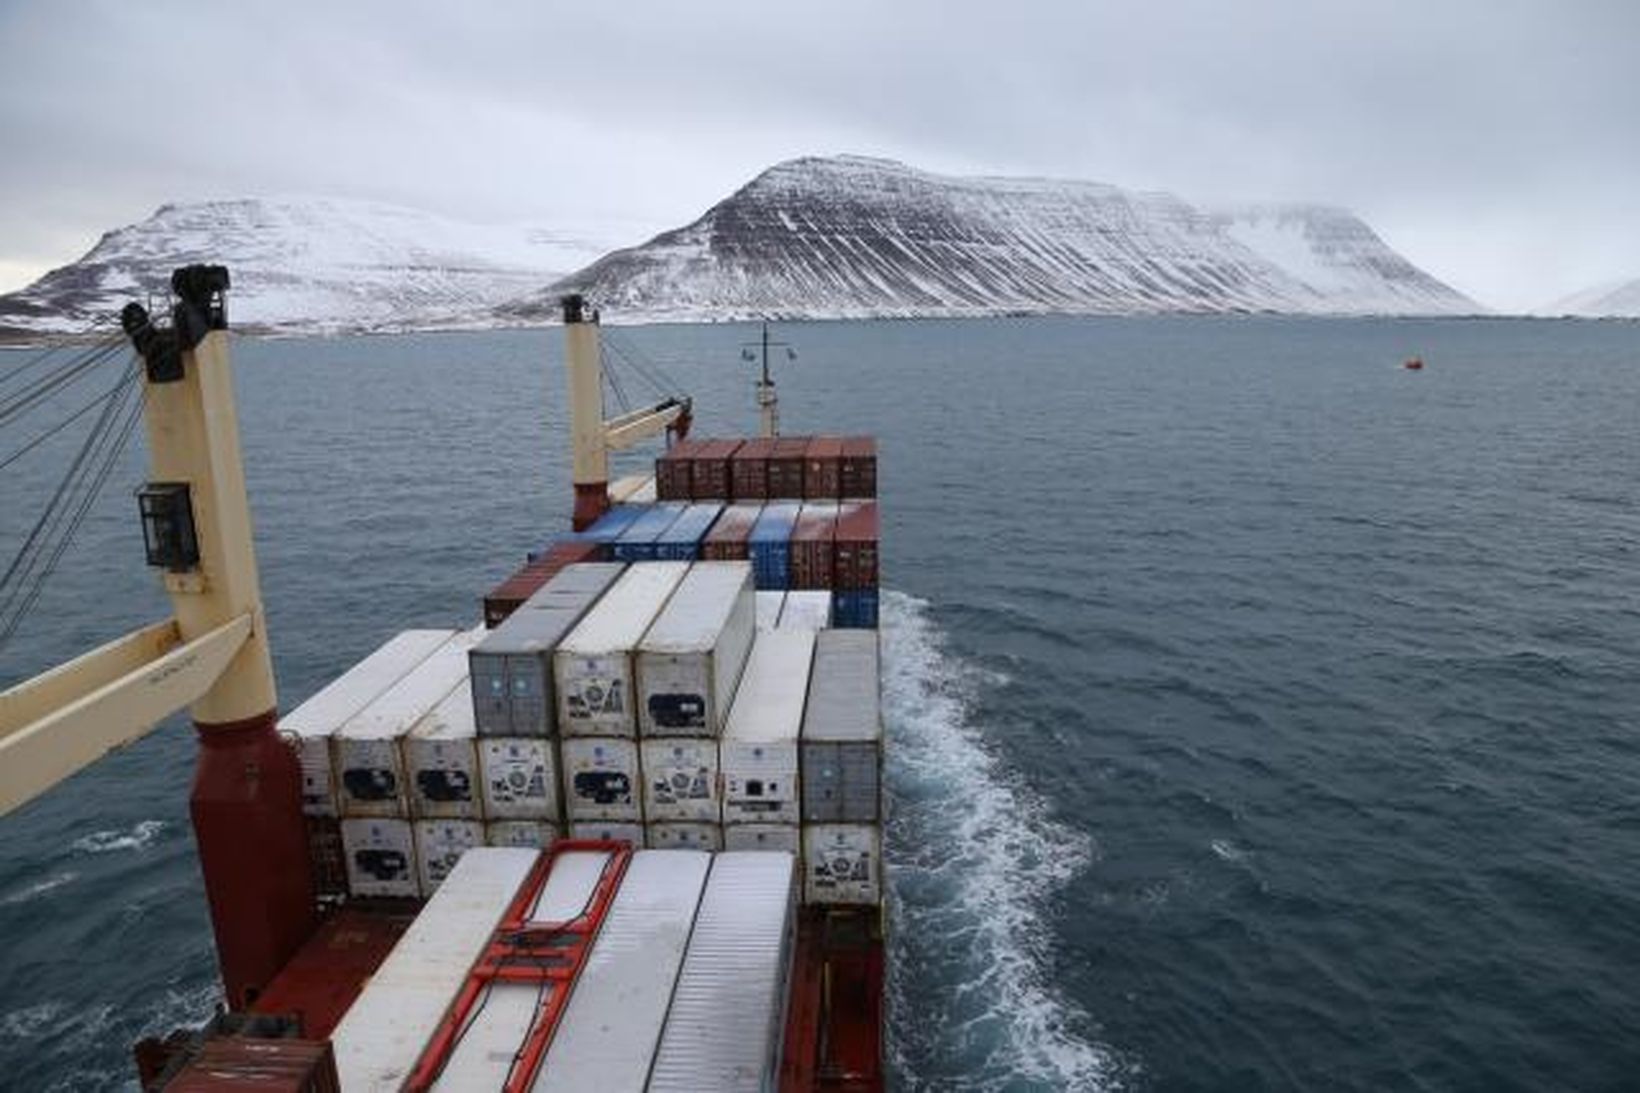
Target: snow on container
441,760
526,833
782,837
606,1040
519,777
513,692
440,845
711,476
690,661
601,779
684,836
786,467
769,605
381,1037
854,609
369,763
805,611
612,524
759,748
726,541
381,858
749,469
673,478
842,864
680,780
593,665
315,721
637,543
510,594
812,545
855,548
769,545
858,475
843,731
616,833
485,1053
823,468
681,541
726,1025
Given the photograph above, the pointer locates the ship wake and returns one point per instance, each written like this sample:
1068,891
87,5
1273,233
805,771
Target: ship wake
974,856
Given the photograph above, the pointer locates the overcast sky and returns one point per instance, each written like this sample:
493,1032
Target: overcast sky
1496,143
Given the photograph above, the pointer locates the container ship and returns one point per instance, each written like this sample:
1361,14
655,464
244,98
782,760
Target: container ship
623,833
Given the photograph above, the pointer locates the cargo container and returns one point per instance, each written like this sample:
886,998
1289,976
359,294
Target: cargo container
513,693
711,478
749,469
769,606
617,833
859,466
680,780
315,721
638,542
326,857
381,858
606,1040
759,753
601,779
809,610
823,469
854,609
525,833
675,836
673,471
856,546
440,845
769,545
593,665
519,778
441,760
681,542
842,864
690,661
726,541
812,545
843,731
783,837
725,1027
225,1064
625,486
786,467
489,1043
369,763
612,524
381,1037
510,594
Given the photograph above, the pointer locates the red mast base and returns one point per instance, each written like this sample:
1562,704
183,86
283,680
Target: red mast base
591,502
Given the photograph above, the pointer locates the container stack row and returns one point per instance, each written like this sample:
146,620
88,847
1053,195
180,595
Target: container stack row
801,468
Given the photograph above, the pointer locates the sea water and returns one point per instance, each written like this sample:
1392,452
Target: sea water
1261,715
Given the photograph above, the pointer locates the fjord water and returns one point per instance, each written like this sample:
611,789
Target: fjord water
1262,716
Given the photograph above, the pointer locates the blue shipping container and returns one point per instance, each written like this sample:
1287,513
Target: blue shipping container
769,546
611,525
637,543
681,541
854,609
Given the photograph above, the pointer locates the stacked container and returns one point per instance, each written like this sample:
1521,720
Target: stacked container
812,545
805,611
672,471
858,472
711,475
856,569
597,686
689,666
822,469
769,606
681,542
786,467
760,743
749,469
726,542
842,772
637,542
769,545
506,597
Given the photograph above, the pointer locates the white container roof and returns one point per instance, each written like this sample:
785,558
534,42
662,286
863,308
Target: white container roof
451,719
769,705
395,710
699,609
619,620
354,689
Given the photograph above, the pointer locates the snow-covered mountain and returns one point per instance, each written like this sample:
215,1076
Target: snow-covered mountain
1613,300
850,236
306,264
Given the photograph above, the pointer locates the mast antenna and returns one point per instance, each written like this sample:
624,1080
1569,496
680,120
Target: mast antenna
768,401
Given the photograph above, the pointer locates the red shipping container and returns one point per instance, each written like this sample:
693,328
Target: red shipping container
823,469
859,469
673,470
326,856
227,1064
856,545
510,594
749,469
811,546
711,479
726,542
786,467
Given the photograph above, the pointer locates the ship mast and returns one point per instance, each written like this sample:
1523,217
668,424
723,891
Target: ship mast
768,401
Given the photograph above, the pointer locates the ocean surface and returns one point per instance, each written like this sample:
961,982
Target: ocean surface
1263,716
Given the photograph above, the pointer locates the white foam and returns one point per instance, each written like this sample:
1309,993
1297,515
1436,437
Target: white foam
38,888
973,855
139,837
